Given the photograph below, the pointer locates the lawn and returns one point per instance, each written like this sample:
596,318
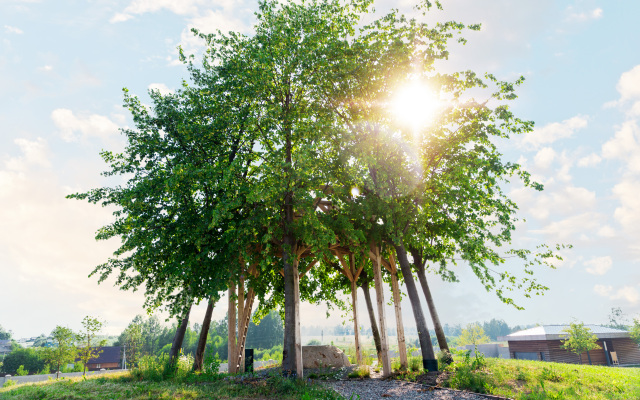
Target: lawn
125,386
528,380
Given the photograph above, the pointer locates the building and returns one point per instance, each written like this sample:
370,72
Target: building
5,347
545,343
110,358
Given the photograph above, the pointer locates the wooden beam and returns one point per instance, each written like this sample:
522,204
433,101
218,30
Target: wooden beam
311,265
384,342
356,329
384,262
346,268
402,347
231,344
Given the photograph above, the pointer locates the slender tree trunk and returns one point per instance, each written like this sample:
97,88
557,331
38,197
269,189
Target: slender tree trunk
377,275
179,336
419,264
292,348
372,317
589,357
356,329
231,330
428,358
202,342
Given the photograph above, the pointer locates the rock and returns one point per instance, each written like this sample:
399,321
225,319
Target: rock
324,356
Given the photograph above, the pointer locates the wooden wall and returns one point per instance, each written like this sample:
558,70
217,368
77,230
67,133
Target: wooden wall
627,351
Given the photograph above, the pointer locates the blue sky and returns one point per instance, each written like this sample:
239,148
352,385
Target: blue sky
63,65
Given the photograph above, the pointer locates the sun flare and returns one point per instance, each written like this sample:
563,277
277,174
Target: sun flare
415,104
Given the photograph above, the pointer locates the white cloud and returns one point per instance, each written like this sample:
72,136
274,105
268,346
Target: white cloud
629,84
603,290
625,145
161,87
606,231
72,126
555,131
572,226
589,161
575,15
599,265
34,152
627,293
13,29
628,213
137,7
544,157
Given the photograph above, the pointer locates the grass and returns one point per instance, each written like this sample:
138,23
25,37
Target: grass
126,386
362,371
532,380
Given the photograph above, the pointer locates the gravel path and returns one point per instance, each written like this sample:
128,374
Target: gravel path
371,389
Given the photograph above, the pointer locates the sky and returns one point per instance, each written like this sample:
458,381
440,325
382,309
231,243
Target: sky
63,65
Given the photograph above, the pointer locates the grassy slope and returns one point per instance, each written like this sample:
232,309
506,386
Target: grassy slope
521,379
124,387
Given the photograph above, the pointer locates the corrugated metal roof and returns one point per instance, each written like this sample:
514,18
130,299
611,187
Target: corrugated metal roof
554,332
110,354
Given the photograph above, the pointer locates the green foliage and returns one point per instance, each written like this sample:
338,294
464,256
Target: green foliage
132,341
21,371
579,339
64,350
4,335
473,334
495,328
313,342
634,332
360,372
9,383
444,358
30,359
91,328
415,363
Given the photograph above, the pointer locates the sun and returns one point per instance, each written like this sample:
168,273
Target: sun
415,105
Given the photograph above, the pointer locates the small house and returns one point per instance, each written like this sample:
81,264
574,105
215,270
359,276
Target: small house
110,358
545,343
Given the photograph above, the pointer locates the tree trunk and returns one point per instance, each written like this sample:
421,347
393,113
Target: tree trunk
428,358
231,329
202,342
179,336
419,264
589,357
372,317
356,329
292,349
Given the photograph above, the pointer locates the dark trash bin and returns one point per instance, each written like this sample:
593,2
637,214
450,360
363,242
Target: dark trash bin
248,360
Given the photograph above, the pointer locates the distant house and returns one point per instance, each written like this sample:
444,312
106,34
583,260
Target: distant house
110,358
545,343
5,347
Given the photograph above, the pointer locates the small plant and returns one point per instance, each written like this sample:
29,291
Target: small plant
444,358
9,383
21,371
415,364
361,372
549,374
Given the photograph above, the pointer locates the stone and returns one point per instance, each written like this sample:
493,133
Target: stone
324,356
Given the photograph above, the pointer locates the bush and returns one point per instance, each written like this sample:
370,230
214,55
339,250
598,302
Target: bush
30,359
444,358
8,383
415,363
362,371
314,342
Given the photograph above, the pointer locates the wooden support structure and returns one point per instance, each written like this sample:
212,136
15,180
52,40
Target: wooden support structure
402,347
242,305
384,341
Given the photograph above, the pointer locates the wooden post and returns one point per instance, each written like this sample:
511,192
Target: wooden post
384,342
231,346
402,347
356,330
239,345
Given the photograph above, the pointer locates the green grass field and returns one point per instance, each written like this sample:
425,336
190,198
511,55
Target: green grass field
529,380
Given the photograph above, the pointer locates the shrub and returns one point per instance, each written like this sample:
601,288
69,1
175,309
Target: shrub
415,364
8,383
21,371
444,358
362,371
314,342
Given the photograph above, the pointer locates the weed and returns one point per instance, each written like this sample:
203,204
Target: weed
361,372
549,374
9,383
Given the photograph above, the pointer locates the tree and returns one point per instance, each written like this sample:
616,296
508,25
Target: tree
64,350
473,334
132,342
580,339
4,335
617,319
89,348
30,359
496,328
634,332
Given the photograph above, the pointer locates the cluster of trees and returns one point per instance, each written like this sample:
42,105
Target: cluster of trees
68,346
4,335
281,174
148,337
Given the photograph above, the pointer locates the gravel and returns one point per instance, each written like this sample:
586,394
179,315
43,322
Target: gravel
370,389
